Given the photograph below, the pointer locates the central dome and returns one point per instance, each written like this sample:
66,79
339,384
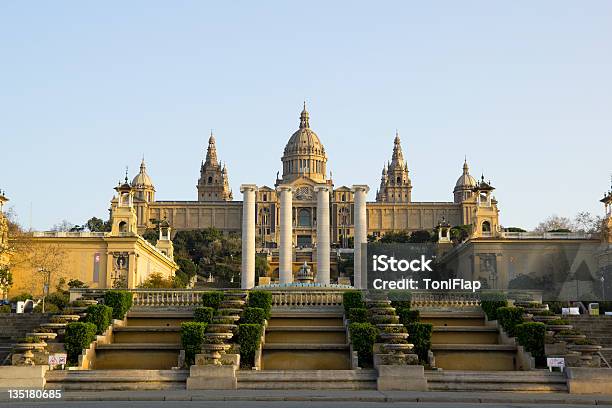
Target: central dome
304,140
304,154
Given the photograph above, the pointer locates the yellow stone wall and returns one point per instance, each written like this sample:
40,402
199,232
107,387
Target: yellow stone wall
73,257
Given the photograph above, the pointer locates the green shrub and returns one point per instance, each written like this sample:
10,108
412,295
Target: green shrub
100,315
253,315
249,338
212,299
203,314
5,309
21,297
363,337
120,301
490,302
192,337
408,316
49,308
558,322
358,315
58,299
509,318
531,336
420,336
261,299
352,299
79,336
400,298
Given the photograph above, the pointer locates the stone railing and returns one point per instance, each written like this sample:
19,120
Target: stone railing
440,299
306,298
547,235
167,298
68,234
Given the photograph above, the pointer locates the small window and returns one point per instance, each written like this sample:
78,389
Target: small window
486,226
209,180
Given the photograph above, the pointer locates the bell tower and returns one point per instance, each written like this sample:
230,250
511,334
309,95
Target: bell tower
124,218
164,243
213,184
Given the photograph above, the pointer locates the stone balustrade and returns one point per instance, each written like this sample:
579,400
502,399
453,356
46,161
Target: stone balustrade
167,298
440,299
306,298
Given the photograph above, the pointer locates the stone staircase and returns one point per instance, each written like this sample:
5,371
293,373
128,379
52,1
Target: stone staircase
305,340
14,327
307,380
462,341
116,380
598,329
149,341
510,381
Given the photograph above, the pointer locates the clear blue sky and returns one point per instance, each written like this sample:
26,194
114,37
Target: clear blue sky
523,88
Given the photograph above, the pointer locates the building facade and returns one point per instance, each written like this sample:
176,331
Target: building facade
304,165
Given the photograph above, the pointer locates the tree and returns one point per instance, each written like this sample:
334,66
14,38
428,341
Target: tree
419,237
6,280
63,226
261,265
590,224
395,237
554,223
95,224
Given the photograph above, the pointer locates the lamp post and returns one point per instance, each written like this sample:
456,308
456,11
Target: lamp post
46,282
603,287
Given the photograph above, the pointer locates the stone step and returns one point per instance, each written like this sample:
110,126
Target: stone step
139,346
309,346
475,357
107,380
517,381
306,328
308,379
465,335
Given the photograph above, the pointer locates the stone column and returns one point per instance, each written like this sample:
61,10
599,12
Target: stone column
323,240
361,230
248,236
285,247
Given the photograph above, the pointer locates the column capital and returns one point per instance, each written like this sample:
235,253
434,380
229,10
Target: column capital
284,187
247,187
322,187
360,187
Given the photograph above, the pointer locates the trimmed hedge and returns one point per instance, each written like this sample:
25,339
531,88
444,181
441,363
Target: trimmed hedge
420,336
203,314
100,315
192,337
358,315
261,299
363,337
249,339
509,318
253,315
120,301
531,336
400,298
490,302
79,336
352,299
408,316
212,299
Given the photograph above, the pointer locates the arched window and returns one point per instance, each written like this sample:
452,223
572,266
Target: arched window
304,218
399,180
343,196
210,180
123,226
486,226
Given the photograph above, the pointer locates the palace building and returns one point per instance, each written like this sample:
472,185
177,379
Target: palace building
304,166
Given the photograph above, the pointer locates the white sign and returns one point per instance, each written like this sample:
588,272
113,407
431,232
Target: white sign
555,362
570,311
57,359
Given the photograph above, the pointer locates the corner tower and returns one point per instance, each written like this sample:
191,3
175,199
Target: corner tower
213,184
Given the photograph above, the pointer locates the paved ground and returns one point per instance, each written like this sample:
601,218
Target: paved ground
298,399
263,404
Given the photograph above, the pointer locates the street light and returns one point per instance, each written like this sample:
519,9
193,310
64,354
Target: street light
46,282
